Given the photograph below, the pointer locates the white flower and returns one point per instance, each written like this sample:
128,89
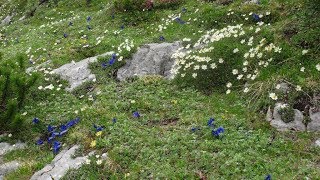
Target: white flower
132,101
245,63
268,13
278,86
221,60
302,69
318,67
304,51
228,91
204,67
88,161
298,88
246,90
213,66
97,156
186,39
235,71
240,76
49,87
40,87
236,50
9,135
196,67
99,162
273,96
282,106
25,113
194,75
229,84
183,75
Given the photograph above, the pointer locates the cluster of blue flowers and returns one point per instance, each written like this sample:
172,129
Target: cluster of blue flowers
55,132
216,132
136,114
179,20
111,61
255,17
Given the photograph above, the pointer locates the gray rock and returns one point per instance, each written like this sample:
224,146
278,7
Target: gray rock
296,124
8,167
42,65
6,147
284,87
314,124
252,2
60,165
151,59
6,20
317,143
22,18
76,73
269,115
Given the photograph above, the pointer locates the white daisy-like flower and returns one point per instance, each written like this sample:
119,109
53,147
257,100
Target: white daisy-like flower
273,96
88,161
302,69
318,67
246,90
204,67
240,76
9,135
228,91
213,66
305,51
245,63
99,162
229,84
235,71
40,87
236,50
194,75
183,75
298,88
221,60
196,67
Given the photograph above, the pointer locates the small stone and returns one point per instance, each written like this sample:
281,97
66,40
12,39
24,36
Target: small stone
314,124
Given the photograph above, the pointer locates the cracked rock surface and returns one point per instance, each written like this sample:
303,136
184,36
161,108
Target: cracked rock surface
76,73
60,165
150,59
9,166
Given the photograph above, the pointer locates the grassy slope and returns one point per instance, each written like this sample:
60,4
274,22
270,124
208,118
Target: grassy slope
149,146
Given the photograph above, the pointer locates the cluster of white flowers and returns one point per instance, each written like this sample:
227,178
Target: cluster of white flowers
125,46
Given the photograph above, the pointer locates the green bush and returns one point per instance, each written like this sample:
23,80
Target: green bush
15,85
129,5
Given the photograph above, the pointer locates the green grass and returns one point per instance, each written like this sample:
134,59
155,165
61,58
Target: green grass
160,144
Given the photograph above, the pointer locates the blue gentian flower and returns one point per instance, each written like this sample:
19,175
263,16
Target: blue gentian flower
122,27
112,61
98,128
194,129
184,10
50,128
89,27
35,121
88,18
211,122
53,136
218,132
112,16
63,130
70,23
268,177
179,20
114,120
256,17
39,142
65,35
77,120
104,64
56,147
161,38
136,114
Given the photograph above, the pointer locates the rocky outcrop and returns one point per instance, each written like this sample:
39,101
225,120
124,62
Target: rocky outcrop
60,165
76,73
151,59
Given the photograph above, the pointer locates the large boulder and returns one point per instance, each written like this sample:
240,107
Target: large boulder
76,73
276,121
151,59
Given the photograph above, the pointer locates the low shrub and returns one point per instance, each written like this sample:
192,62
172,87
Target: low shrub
15,86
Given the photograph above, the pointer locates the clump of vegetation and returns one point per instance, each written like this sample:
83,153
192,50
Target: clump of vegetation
287,114
15,86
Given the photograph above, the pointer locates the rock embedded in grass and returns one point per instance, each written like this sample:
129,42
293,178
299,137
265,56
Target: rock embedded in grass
6,147
60,165
8,167
76,73
151,59
314,124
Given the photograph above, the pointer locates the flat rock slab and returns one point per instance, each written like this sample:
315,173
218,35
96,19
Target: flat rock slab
6,147
150,59
8,167
76,73
60,165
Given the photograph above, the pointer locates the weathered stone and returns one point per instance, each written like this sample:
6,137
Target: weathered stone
284,87
297,123
6,147
76,73
252,2
314,124
317,143
151,59
60,165
8,167
6,20
269,115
